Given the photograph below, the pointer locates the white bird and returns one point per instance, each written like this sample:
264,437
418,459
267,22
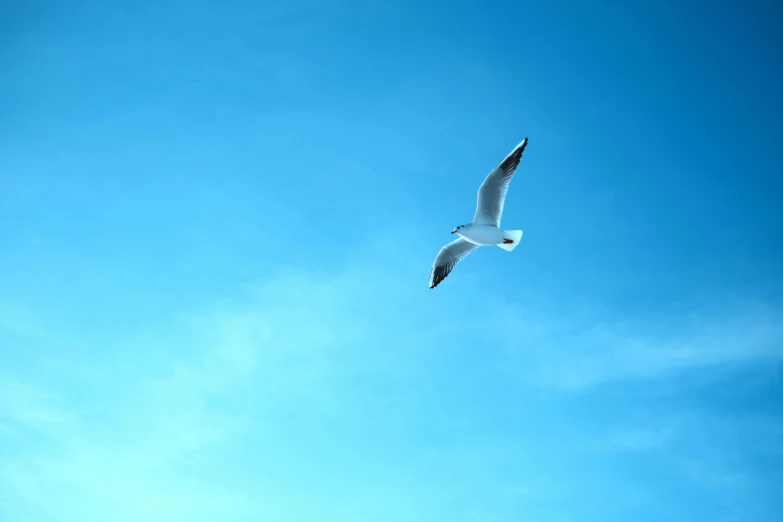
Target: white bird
485,229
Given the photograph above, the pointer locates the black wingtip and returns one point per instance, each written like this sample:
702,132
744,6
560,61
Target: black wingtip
510,162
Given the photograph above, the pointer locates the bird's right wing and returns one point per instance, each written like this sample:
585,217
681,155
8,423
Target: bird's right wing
447,259
492,194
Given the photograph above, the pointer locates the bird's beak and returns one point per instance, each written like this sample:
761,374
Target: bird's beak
453,231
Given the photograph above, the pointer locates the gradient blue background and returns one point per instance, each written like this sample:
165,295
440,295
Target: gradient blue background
217,222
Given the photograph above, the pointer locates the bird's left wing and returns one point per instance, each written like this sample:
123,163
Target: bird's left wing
492,194
447,259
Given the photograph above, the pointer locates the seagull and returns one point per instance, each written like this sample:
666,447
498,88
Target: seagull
485,229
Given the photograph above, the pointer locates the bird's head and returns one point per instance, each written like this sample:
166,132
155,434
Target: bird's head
457,229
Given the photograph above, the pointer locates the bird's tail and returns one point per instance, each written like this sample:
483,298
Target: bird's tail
510,239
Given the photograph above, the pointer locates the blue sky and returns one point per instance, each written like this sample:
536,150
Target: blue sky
218,222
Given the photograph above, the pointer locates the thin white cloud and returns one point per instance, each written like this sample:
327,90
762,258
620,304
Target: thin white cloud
29,408
573,355
642,440
203,385
287,342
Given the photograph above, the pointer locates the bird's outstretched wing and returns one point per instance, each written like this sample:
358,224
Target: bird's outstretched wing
492,193
447,259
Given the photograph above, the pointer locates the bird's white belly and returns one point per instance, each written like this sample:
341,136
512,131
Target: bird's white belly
482,235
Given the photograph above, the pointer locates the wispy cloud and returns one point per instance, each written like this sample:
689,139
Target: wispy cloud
199,388
577,354
31,408
162,443
641,440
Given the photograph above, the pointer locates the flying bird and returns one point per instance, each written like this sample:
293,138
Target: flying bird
484,230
